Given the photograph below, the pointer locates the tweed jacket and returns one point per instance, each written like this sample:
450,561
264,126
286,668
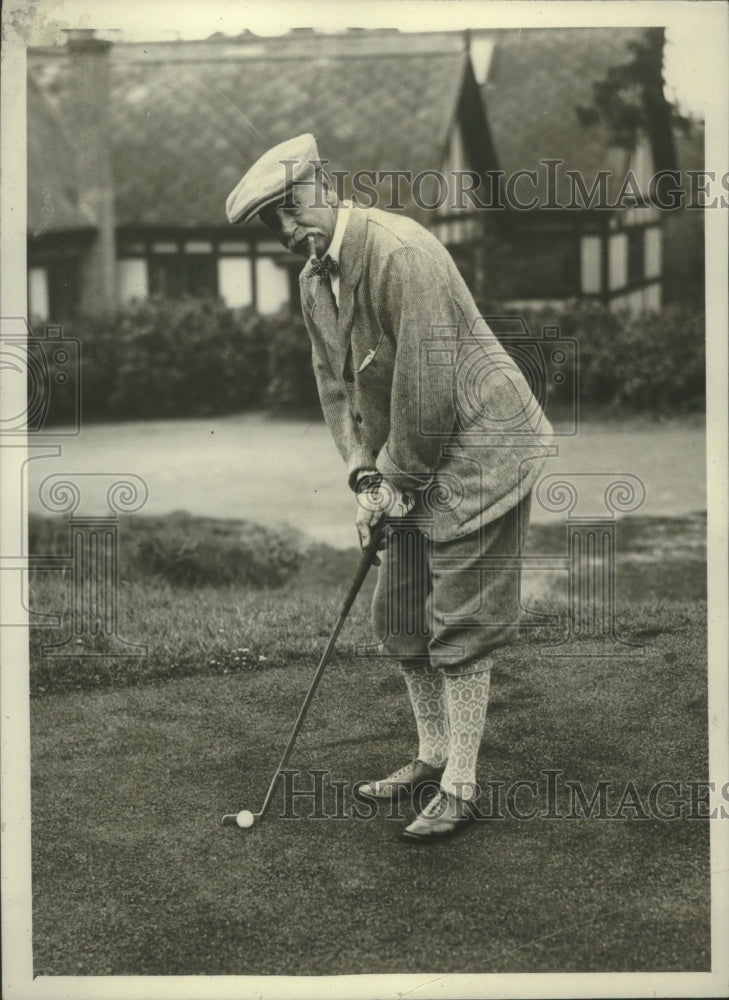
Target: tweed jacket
413,382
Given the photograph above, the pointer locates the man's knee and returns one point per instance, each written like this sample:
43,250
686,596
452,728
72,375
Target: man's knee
399,621
406,648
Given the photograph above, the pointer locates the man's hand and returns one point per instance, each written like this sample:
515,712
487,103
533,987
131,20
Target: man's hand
376,499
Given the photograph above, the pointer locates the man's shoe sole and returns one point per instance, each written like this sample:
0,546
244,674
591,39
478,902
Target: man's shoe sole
459,825
429,838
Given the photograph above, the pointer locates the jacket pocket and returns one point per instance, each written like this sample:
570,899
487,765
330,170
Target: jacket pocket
374,356
369,356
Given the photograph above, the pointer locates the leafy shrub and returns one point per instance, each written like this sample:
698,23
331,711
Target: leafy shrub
192,551
172,358
196,357
188,356
292,386
648,363
188,551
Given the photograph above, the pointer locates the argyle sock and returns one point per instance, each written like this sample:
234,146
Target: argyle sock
425,687
467,696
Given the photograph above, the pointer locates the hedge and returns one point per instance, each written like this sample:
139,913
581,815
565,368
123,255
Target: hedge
650,363
187,551
196,358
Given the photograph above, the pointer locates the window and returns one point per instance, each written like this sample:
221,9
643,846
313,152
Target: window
131,279
174,275
63,288
591,264
165,275
272,286
653,252
636,255
38,305
618,261
200,274
239,272
235,281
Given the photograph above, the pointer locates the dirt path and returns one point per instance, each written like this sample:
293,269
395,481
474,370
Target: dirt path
286,471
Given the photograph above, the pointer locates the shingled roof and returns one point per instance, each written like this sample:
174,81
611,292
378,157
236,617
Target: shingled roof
53,202
537,80
188,119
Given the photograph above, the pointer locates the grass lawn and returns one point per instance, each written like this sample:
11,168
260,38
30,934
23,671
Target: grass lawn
133,763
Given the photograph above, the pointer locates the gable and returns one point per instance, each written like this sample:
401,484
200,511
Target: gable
188,119
538,78
53,200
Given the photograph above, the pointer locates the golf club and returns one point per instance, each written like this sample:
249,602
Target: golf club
245,819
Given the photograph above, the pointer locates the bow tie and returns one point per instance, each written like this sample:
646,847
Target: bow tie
323,268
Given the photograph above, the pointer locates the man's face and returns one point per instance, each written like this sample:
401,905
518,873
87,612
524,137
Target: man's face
304,211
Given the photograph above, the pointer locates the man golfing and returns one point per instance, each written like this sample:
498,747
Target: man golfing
439,432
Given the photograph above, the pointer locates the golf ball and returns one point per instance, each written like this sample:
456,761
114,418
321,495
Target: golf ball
244,819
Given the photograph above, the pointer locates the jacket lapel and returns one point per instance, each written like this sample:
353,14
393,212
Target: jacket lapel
326,310
334,329
350,272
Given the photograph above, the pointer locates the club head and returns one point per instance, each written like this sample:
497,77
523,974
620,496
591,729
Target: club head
243,820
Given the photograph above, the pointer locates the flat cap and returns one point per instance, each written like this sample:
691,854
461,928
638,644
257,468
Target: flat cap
291,162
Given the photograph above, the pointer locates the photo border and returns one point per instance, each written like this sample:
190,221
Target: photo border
709,21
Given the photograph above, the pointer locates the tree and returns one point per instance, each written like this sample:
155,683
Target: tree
630,99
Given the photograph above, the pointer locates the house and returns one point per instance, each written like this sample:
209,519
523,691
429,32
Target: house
133,148
535,83
163,131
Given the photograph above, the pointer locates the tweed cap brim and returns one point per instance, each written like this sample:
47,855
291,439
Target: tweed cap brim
291,162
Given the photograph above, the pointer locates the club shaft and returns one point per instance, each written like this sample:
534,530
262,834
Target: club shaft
366,561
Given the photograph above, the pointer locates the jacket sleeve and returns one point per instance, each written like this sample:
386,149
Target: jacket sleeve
426,322
335,407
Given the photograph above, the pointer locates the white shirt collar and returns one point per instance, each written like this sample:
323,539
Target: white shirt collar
339,229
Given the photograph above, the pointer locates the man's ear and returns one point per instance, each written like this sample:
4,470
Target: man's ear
328,190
